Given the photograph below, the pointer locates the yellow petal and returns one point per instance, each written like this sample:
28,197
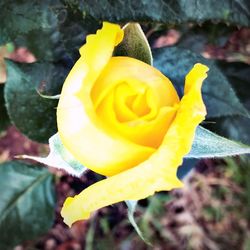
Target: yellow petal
133,71
92,143
148,133
159,171
146,119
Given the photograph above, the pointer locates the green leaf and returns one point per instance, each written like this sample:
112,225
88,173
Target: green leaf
209,145
53,32
37,31
14,19
59,157
164,11
131,210
62,40
73,26
233,127
219,97
56,29
43,44
134,44
33,115
59,27
4,118
27,203
238,75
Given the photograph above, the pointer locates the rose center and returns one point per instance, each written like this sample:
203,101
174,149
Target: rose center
131,103
135,100
138,104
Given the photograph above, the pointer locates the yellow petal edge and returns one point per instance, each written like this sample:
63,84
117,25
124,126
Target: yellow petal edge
158,172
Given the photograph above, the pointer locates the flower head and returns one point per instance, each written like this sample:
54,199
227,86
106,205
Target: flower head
123,118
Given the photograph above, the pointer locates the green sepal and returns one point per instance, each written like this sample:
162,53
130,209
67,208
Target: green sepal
134,44
59,157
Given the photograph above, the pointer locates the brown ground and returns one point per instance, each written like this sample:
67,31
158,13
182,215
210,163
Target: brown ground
209,213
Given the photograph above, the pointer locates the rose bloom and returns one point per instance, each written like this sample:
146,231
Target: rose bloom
122,118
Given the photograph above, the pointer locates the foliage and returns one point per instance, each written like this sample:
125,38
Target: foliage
33,115
53,31
219,103
27,204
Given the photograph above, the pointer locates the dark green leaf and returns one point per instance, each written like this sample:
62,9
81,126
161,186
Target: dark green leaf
54,29
32,24
44,44
60,42
15,19
33,115
27,203
233,127
210,145
238,75
49,29
134,44
164,11
219,97
74,27
4,118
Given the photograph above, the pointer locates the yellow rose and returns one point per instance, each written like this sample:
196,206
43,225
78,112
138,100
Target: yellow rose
122,118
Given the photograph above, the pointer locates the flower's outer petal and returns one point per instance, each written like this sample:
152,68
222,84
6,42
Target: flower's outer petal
159,171
81,131
99,47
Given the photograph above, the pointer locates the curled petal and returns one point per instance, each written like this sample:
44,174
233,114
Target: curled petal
159,171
